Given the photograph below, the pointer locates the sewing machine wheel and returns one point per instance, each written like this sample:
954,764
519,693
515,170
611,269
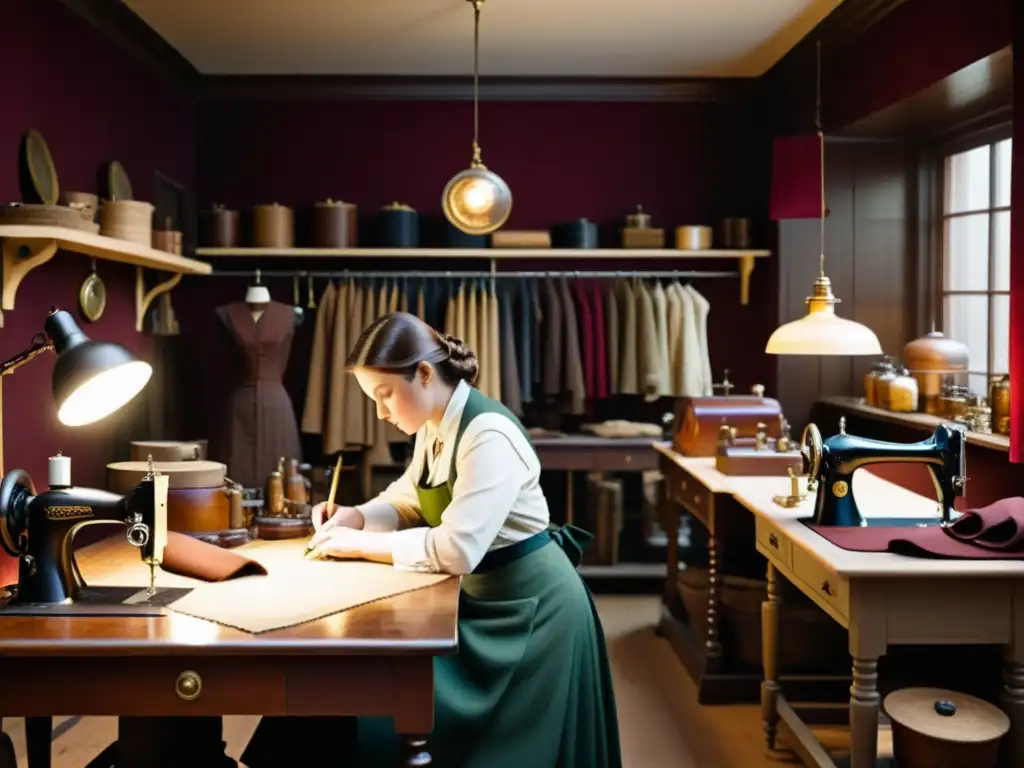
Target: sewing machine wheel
11,529
810,447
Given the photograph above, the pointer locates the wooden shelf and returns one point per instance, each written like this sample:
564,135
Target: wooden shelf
924,421
482,253
28,247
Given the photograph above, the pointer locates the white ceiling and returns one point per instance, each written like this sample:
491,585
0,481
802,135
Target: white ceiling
596,38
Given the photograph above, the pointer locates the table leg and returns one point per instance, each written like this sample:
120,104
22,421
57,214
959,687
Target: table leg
865,705
769,657
7,756
38,740
713,657
1012,701
569,497
416,754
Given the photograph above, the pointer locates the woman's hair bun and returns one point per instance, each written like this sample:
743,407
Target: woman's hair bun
461,359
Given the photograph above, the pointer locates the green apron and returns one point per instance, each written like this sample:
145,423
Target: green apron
530,685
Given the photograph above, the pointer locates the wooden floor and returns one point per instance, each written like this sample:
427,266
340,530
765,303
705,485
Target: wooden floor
660,722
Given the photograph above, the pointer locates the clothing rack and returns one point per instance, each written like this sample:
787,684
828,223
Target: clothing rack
457,274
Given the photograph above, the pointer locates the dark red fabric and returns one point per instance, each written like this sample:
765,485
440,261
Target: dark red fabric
994,532
601,361
585,323
796,178
1017,247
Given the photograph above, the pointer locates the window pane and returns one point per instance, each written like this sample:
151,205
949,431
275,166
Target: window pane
967,321
967,180
978,382
1000,334
1004,149
965,259
1001,251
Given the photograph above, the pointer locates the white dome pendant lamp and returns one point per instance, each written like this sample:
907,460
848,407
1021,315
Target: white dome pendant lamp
821,331
476,201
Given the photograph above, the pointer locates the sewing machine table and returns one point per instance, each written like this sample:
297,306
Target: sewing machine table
376,659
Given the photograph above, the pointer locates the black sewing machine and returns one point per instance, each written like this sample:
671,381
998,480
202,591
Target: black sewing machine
831,464
39,530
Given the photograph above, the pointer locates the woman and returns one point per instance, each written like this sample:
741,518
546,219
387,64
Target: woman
530,685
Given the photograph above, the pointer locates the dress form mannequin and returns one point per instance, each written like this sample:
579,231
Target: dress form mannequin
257,296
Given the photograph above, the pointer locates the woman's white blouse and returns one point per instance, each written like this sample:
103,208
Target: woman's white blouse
496,498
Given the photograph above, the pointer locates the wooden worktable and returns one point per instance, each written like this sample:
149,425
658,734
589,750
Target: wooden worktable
882,599
376,659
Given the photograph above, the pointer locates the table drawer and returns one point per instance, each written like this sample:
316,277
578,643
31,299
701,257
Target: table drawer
693,496
828,587
771,540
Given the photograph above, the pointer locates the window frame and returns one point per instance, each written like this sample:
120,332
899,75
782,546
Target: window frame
989,136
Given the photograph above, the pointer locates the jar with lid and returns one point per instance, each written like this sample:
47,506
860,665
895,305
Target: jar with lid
903,391
999,401
954,403
881,387
929,359
871,377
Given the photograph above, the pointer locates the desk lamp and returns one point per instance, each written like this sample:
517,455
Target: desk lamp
91,379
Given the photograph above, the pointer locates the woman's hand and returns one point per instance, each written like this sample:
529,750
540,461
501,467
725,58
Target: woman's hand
344,517
337,542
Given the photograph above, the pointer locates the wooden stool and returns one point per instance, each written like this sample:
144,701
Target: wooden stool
932,727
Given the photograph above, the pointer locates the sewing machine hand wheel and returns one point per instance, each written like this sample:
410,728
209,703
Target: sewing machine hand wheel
12,530
810,448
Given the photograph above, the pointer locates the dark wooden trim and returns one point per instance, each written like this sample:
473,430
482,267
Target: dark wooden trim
374,88
119,23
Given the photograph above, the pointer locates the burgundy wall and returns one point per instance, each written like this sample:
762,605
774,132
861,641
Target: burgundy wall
92,104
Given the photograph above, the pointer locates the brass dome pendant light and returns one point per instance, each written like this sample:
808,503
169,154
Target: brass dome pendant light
476,201
821,331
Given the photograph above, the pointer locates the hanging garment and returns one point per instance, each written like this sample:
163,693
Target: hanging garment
648,367
693,379
574,383
629,347
355,423
461,310
393,300
537,358
494,339
553,339
522,309
511,394
661,325
611,335
421,305
260,424
314,412
335,429
371,310
482,337
473,323
451,313
701,308
585,334
600,341
675,335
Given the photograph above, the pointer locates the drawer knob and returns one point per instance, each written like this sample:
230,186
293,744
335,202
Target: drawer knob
773,540
682,484
827,589
696,498
189,685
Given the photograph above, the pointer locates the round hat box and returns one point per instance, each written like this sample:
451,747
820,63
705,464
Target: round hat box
932,727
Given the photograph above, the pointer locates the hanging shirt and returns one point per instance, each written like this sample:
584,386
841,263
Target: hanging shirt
496,499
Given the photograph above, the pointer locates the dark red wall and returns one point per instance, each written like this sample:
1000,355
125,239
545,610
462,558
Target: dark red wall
92,104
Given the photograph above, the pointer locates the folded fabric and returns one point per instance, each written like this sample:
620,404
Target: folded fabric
188,556
995,532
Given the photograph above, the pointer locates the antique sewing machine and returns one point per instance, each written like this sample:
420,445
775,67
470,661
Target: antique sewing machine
39,530
830,465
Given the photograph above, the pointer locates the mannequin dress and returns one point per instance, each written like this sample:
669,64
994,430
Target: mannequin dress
260,424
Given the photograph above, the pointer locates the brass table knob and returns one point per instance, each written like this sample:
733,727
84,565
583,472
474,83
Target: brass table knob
189,685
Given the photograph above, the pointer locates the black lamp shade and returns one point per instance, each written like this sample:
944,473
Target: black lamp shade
91,379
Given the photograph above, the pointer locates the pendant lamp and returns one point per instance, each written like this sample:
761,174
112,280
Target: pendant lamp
476,201
821,331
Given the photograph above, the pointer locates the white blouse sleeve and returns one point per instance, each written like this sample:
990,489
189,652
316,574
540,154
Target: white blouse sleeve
397,506
491,474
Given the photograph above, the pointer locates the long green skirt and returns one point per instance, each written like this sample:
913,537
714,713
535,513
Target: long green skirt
530,686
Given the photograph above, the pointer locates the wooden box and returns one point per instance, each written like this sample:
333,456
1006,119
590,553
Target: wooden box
698,420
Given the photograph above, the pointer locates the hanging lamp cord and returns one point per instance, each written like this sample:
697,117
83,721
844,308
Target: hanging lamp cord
821,164
476,81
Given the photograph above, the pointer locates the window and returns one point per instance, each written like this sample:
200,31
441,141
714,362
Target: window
976,257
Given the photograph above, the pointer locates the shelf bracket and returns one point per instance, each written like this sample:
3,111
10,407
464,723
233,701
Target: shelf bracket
19,258
144,298
746,270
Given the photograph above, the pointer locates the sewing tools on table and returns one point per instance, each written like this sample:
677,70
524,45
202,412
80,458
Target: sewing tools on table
330,498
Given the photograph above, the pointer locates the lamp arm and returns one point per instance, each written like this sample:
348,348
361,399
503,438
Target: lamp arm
40,344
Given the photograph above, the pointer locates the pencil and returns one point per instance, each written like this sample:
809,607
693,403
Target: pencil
331,495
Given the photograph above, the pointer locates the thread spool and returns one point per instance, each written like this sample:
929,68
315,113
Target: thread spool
59,471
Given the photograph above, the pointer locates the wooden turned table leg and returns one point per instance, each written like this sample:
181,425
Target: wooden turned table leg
38,740
865,705
7,757
416,754
770,657
713,657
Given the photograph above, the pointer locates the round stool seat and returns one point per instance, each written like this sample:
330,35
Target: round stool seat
933,727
